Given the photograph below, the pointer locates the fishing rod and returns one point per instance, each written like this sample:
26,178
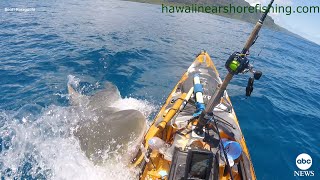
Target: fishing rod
237,63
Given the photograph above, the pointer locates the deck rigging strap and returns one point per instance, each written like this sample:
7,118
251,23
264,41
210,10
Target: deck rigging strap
220,119
222,147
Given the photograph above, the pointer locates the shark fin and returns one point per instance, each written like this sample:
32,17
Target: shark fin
74,97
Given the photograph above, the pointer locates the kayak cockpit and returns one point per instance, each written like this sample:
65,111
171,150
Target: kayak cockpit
171,148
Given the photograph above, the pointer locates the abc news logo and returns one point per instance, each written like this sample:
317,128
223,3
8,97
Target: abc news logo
304,162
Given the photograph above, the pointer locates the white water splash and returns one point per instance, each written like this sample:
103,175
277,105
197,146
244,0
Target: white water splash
45,147
72,80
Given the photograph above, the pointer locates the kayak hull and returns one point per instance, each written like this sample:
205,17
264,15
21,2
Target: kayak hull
177,111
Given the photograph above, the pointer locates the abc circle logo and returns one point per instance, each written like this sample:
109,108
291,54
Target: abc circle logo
304,161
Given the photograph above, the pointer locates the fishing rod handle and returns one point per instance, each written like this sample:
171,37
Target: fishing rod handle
252,37
214,101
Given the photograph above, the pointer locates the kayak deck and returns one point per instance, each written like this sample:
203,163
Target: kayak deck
175,122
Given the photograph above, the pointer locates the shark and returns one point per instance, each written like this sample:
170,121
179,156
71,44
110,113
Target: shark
112,131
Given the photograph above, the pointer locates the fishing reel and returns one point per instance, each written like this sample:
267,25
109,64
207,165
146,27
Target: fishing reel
239,63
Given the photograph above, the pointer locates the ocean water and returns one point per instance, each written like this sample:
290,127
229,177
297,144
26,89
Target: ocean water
144,53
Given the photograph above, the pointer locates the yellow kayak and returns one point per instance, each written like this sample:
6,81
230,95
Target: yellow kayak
172,150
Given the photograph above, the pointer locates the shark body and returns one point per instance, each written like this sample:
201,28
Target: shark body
112,131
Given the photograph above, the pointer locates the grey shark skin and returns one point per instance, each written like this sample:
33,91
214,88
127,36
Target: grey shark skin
119,131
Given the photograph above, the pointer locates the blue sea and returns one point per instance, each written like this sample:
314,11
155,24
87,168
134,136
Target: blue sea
144,53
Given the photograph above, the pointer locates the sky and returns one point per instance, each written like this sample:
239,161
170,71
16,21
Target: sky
306,25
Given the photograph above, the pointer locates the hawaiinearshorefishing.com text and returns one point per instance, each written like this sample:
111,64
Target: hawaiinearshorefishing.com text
232,9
